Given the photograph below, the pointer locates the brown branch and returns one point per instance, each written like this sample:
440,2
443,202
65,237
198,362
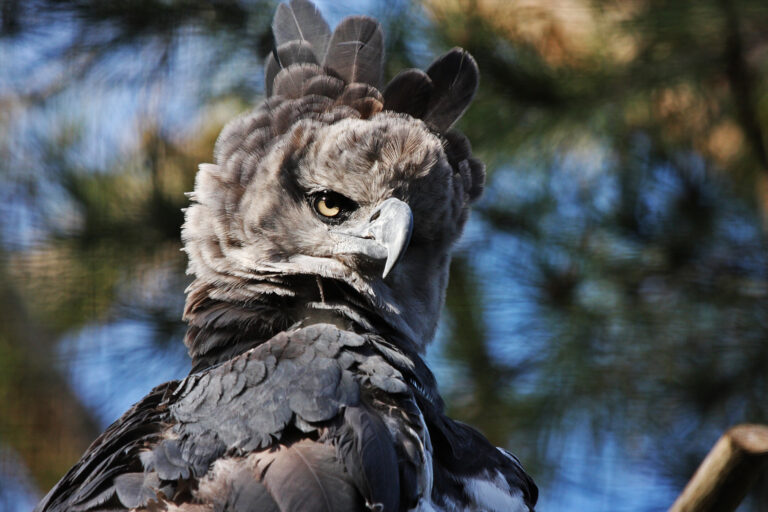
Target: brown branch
727,472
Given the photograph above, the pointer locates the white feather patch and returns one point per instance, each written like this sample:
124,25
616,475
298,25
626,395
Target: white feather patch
494,495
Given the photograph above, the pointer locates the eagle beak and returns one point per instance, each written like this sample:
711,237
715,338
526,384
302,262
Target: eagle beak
392,225
385,235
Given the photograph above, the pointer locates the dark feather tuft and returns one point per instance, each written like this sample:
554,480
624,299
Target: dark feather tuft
455,77
471,169
409,92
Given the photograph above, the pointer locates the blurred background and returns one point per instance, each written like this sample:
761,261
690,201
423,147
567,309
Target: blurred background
607,314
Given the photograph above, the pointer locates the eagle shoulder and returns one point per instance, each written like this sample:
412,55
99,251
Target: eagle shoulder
312,419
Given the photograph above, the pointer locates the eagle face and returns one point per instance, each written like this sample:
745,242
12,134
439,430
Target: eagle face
331,185
357,195
365,202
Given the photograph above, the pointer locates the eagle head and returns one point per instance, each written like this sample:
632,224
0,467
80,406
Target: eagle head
333,200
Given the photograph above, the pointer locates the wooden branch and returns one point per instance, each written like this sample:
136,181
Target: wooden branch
727,472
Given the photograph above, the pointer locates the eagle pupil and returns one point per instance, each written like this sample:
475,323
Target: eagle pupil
330,202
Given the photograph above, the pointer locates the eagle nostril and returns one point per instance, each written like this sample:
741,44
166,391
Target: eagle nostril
375,215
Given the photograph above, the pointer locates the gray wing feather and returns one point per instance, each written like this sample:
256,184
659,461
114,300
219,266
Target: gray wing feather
367,449
304,477
136,489
247,494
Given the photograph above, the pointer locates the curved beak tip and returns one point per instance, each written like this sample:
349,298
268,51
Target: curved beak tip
388,265
395,226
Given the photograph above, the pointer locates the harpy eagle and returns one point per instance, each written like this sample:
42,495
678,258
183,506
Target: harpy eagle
319,243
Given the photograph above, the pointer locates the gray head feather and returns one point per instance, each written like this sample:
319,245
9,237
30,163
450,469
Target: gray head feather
301,21
356,50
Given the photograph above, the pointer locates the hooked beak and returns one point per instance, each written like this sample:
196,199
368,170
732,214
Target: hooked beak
384,236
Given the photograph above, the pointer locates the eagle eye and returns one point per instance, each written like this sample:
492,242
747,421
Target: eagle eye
332,206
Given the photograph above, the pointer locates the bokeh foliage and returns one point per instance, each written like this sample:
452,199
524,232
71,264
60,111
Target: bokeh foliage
613,280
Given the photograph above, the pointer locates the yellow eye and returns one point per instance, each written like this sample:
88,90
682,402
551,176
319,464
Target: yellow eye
331,206
327,207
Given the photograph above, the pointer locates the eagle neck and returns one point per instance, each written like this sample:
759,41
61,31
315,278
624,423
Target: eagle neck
222,325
